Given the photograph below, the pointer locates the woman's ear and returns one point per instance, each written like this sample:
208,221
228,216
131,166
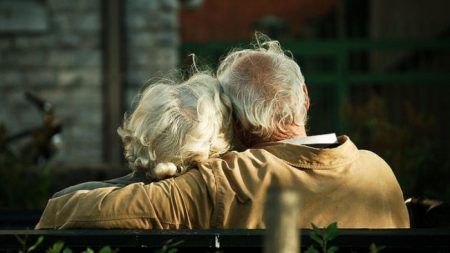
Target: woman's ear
307,103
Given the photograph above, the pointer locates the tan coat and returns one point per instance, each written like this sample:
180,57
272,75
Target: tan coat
354,187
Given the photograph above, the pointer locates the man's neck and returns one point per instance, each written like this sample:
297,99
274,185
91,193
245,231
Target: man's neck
293,132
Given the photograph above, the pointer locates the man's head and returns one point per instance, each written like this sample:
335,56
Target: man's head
267,90
175,126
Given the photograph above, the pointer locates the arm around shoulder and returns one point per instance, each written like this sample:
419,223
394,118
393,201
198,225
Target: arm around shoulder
173,203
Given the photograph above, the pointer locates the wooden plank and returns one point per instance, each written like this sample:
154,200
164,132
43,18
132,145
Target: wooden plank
349,240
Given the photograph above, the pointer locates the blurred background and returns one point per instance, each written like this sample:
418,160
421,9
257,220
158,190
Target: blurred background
377,71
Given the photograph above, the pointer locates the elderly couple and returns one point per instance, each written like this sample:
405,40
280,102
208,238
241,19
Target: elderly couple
178,140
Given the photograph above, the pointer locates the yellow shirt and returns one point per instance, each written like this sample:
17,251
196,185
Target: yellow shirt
352,187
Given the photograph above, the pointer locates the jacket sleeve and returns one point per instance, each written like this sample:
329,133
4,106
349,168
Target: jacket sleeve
175,203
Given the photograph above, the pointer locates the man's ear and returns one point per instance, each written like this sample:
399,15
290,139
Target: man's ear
307,103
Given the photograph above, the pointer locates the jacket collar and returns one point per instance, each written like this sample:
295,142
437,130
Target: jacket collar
323,139
303,156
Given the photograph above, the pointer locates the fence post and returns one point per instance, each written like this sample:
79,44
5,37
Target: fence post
282,233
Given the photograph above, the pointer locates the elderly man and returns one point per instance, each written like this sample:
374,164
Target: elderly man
336,181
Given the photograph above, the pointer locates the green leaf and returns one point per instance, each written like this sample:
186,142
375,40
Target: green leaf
172,250
311,249
21,241
317,230
316,238
332,249
105,249
89,250
373,248
176,244
332,231
169,247
67,250
39,241
56,247
163,249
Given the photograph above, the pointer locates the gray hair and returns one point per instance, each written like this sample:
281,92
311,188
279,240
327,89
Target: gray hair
175,126
266,88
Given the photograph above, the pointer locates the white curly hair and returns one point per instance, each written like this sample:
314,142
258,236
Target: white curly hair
175,126
266,87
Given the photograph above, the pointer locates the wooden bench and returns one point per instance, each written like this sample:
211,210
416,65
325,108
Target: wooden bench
349,240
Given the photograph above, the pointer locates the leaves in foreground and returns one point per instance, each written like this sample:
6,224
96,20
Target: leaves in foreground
322,237
169,247
23,244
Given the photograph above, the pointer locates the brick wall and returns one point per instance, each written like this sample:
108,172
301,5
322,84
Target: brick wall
63,64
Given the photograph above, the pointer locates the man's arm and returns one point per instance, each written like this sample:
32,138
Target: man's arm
133,177
174,203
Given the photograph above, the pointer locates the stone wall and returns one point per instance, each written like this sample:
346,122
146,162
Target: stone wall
152,42
62,63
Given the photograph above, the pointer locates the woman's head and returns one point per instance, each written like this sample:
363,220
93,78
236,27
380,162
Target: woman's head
175,126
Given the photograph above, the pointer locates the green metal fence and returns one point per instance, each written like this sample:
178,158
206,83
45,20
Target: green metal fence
335,73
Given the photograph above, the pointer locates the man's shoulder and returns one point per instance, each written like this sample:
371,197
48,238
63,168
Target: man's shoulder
251,155
248,153
368,156
365,156
253,159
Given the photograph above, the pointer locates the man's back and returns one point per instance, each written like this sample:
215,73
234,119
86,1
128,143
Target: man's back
355,188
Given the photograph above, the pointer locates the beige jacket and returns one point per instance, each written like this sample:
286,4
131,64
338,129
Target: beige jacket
354,187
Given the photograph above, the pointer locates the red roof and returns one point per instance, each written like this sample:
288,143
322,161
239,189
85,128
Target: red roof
233,20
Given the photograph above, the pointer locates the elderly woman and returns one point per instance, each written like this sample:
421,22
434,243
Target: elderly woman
174,127
177,126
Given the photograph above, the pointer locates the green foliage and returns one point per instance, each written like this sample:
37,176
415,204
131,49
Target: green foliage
23,185
373,248
88,250
322,237
311,249
107,249
23,244
67,250
169,247
56,247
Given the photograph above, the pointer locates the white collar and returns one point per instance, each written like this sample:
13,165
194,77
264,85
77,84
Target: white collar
313,139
